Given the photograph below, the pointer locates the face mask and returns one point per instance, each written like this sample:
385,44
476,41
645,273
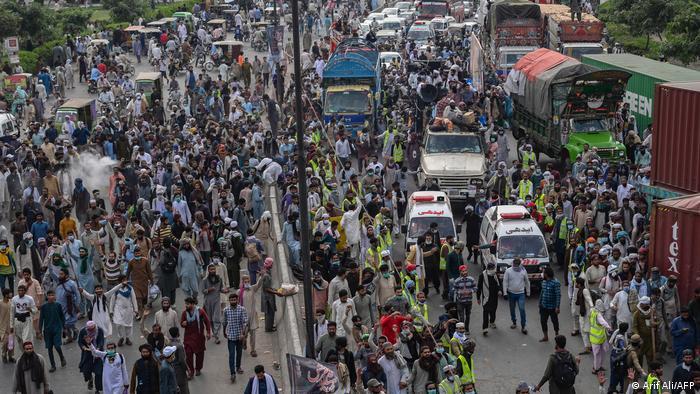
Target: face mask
71,238
432,391
491,272
30,243
422,302
626,289
326,222
451,378
517,268
246,286
440,350
470,392
320,319
405,332
386,275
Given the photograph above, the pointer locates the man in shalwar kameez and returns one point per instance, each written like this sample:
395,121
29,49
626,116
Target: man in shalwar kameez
124,307
115,378
212,288
188,269
197,331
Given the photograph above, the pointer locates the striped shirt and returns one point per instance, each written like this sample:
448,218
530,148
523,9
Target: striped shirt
235,322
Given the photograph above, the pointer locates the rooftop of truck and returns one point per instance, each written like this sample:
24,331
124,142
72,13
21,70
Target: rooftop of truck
645,66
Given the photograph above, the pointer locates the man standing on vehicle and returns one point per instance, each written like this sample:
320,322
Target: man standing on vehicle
516,285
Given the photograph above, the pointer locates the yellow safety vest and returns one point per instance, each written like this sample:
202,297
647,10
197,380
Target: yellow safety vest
398,153
422,310
358,190
540,203
370,257
653,385
597,333
411,300
403,277
563,228
467,373
528,158
523,188
385,241
453,387
443,260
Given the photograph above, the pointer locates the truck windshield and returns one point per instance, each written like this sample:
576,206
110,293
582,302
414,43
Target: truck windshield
588,125
420,225
577,53
523,246
512,58
452,143
418,34
353,102
433,9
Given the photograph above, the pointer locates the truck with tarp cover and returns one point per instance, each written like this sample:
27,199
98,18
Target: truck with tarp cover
560,104
512,28
351,85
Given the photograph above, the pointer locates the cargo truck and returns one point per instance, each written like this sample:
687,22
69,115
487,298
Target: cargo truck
351,85
561,104
513,28
429,9
646,74
571,37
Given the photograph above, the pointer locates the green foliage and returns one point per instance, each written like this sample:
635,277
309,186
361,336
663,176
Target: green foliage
29,61
684,35
37,23
73,20
125,10
9,23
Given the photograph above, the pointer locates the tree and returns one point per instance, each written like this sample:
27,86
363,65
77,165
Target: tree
73,20
644,17
36,22
9,23
684,34
125,10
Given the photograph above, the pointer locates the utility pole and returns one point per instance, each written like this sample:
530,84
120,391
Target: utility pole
303,189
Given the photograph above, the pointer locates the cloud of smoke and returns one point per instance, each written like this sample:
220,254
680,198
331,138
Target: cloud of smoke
94,169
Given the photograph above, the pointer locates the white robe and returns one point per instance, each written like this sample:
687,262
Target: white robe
123,309
100,314
394,375
351,223
114,374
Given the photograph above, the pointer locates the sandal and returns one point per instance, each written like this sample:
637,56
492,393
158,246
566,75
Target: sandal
253,354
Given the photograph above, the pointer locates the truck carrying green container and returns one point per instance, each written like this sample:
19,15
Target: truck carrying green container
646,73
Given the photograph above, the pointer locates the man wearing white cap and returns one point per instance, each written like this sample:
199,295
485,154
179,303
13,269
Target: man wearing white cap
168,382
449,385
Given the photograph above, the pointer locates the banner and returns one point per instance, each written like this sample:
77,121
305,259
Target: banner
310,376
275,39
476,63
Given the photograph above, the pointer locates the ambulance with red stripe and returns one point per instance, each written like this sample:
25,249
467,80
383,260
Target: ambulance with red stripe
424,208
508,232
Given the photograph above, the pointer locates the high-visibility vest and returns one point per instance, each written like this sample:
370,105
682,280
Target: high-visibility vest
411,299
467,373
563,228
524,188
403,277
528,158
422,310
357,190
653,385
371,253
443,260
597,333
398,153
540,202
453,387
385,241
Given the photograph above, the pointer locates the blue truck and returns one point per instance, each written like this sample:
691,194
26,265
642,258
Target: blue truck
352,84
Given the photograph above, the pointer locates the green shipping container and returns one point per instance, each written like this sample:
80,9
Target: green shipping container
646,73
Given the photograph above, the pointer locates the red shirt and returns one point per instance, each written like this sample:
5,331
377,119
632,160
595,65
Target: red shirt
387,323
102,67
164,38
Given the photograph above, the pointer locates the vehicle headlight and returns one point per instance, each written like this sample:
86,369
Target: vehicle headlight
477,182
621,153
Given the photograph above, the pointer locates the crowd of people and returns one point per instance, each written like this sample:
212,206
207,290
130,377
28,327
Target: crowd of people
185,212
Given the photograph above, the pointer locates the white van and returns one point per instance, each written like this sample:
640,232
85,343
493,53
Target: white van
512,233
9,128
425,208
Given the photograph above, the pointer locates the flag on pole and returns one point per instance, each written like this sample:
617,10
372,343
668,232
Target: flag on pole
310,376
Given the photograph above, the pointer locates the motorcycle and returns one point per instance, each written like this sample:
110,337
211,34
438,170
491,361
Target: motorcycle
92,87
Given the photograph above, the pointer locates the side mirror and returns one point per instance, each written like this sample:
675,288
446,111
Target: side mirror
459,229
404,229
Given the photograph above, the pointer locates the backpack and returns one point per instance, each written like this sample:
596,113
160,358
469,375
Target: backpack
169,263
564,371
619,361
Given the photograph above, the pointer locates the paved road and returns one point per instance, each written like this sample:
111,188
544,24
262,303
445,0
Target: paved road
215,375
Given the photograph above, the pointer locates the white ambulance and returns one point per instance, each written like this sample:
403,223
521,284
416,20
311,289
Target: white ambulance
512,233
425,208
